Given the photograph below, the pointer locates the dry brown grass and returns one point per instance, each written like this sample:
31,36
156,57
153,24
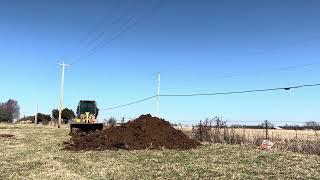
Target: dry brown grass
273,133
279,133
301,141
37,153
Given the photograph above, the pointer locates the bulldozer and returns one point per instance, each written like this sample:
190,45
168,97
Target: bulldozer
86,119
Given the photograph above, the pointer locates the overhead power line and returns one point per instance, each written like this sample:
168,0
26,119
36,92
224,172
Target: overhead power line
239,92
131,22
129,104
213,94
103,43
96,27
99,25
102,33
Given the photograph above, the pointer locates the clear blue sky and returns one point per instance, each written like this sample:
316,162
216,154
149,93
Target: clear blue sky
198,46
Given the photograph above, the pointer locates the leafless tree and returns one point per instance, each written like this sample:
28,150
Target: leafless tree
312,124
10,110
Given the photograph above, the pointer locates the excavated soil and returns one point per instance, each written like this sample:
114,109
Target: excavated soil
6,135
146,132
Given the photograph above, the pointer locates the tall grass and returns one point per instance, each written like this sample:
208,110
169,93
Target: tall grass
216,131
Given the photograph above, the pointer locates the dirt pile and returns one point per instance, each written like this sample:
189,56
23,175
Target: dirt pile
146,132
6,135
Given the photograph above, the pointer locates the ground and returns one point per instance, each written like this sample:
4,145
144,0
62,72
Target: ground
37,153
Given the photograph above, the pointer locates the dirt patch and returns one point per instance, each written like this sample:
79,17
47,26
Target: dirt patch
146,132
6,135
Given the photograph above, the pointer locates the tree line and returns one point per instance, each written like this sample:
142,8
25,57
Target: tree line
217,122
66,115
10,112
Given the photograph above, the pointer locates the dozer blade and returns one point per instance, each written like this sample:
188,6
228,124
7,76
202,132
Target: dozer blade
86,127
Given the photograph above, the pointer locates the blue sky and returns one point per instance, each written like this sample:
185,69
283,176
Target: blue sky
198,46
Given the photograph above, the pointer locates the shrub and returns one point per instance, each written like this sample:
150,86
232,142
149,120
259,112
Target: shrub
202,131
216,131
111,122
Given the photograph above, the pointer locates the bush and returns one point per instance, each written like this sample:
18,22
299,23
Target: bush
216,131
9,110
66,114
202,131
111,122
43,118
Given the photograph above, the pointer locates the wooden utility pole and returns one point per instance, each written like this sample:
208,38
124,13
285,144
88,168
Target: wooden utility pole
63,65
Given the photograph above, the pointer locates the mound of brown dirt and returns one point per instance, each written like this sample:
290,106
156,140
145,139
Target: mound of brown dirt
146,132
6,135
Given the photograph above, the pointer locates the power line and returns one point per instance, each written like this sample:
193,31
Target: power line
91,41
87,36
103,43
135,102
213,94
129,24
240,92
103,32
101,23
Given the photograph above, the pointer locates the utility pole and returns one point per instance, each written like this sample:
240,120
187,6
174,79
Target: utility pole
63,65
158,94
36,116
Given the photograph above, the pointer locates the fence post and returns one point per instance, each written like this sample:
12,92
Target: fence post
200,131
244,132
267,137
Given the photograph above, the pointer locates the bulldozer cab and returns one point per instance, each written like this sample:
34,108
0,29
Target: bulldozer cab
87,107
87,112
86,119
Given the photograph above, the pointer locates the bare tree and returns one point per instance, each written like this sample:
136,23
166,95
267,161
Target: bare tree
3,114
111,122
312,124
10,110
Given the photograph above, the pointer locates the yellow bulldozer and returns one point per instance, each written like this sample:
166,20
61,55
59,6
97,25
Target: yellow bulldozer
86,119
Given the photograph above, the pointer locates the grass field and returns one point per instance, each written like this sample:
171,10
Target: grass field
37,153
